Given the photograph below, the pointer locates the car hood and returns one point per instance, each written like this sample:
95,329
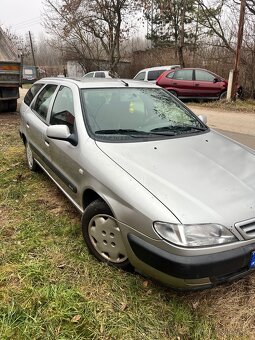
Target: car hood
205,178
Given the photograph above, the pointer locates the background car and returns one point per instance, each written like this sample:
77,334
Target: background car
194,83
97,74
152,73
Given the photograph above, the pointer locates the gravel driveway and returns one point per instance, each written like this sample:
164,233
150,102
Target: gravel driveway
240,122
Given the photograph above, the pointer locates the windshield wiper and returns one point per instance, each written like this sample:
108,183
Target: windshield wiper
133,132
177,128
120,132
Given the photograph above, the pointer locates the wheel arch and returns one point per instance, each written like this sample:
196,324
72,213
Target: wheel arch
89,196
23,137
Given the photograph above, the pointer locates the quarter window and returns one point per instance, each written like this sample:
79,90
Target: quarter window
43,100
63,109
170,75
183,75
140,76
89,75
32,93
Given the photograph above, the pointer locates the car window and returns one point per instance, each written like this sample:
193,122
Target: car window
140,76
63,109
153,75
32,93
170,75
89,75
204,76
142,110
99,75
43,100
183,75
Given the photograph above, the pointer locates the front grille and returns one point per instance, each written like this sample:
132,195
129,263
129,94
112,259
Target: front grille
246,228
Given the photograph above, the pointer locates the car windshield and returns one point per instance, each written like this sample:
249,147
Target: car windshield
135,113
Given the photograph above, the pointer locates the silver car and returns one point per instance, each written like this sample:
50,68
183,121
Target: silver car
159,192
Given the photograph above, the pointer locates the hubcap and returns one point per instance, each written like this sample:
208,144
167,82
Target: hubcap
105,236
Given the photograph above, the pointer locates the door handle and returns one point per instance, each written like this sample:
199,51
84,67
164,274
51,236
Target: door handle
27,125
46,142
174,83
196,84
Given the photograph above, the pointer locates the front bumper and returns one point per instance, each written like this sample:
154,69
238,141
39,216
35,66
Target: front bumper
203,270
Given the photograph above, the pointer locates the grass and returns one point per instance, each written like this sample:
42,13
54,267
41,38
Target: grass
51,288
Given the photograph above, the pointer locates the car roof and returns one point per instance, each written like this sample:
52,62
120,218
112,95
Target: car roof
98,82
97,71
166,67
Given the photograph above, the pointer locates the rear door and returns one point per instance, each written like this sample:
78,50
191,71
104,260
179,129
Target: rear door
182,82
35,120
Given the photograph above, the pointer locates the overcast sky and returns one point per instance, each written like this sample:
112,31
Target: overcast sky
21,16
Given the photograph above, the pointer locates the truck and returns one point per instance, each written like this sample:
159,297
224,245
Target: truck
10,74
29,74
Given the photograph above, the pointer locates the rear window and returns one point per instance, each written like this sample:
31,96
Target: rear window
32,93
140,76
153,75
89,75
43,100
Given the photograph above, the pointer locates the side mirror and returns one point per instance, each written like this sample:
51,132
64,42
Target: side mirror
61,132
203,118
215,80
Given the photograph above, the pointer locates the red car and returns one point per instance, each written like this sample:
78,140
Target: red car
194,83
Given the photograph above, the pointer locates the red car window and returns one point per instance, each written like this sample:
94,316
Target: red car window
183,75
204,76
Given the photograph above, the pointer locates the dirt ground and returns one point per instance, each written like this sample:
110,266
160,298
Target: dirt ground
240,122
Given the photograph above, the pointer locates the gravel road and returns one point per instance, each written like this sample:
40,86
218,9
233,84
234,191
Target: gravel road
240,122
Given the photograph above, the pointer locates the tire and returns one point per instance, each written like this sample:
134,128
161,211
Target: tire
32,165
103,236
3,106
12,105
223,95
174,93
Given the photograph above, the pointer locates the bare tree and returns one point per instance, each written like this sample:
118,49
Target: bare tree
90,29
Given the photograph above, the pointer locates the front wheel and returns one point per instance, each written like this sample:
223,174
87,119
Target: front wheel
103,236
223,95
33,166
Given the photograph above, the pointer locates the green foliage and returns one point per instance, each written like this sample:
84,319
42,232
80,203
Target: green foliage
165,18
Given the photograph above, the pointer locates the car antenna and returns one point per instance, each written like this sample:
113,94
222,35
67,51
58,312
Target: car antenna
126,84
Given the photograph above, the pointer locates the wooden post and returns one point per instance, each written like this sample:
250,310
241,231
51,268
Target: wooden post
238,49
33,54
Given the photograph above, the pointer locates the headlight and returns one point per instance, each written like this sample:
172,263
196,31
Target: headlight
194,235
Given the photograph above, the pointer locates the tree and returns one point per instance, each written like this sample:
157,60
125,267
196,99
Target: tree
89,29
173,23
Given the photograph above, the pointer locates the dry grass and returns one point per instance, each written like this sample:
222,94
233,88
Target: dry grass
223,105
